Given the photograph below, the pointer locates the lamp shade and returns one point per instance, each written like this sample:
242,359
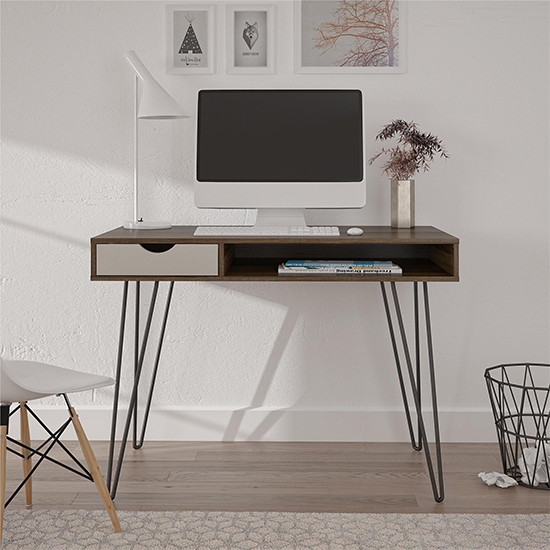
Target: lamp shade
156,102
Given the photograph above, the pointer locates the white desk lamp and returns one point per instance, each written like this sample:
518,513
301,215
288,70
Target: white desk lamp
155,103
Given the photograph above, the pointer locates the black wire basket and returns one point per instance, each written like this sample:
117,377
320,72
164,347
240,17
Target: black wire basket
520,398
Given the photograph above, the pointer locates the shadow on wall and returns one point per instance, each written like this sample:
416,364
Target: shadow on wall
325,307
27,228
258,399
327,363
234,429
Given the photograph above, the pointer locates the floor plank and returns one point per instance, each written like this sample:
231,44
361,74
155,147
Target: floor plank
286,476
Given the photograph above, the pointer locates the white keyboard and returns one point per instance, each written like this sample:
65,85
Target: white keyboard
266,231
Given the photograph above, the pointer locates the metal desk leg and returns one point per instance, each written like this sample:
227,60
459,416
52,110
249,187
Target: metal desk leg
139,355
437,485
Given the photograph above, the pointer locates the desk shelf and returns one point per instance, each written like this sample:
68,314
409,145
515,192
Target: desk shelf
249,269
424,254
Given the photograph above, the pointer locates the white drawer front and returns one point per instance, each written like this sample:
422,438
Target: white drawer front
180,260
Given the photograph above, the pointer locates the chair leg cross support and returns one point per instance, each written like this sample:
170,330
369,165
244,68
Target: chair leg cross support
93,473
414,380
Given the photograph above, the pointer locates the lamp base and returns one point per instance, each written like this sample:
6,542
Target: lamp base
147,225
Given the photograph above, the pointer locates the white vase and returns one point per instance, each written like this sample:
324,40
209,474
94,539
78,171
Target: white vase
402,203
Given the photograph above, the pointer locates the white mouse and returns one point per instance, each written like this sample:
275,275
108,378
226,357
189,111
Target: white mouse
355,231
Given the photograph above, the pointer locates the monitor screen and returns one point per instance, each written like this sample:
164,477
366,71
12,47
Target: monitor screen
280,136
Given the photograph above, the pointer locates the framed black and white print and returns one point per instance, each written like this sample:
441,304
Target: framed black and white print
190,38
350,36
251,38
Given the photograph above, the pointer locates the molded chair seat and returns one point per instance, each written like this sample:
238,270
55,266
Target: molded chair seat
22,381
27,380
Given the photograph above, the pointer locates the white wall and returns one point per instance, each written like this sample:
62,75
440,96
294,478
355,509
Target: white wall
275,360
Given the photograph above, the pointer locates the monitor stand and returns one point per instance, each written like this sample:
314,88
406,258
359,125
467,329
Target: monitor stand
285,217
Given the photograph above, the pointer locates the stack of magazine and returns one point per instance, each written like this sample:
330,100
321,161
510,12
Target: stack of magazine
339,267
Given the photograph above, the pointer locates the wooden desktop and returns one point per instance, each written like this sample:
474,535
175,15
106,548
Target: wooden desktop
424,253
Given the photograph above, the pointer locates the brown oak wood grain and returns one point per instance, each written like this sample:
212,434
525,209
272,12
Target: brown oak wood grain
287,476
425,253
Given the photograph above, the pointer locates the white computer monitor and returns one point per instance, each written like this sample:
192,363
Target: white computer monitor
280,151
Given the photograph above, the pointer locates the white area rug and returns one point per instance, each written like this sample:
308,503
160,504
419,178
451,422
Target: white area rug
75,529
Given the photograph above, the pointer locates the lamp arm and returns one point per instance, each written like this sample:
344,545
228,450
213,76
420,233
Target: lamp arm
138,66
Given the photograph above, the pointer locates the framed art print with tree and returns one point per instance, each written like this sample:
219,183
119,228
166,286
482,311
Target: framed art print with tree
350,36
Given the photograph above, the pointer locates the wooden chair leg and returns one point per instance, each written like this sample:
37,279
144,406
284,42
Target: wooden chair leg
27,460
93,466
3,436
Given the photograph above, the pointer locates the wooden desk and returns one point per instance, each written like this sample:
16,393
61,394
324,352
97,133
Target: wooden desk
425,254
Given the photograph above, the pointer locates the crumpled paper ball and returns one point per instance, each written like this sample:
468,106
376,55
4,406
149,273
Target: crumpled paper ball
535,464
500,480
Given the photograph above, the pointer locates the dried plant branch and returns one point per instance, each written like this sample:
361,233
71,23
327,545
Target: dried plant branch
414,150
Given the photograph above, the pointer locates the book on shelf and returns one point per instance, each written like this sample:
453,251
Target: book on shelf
339,263
339,267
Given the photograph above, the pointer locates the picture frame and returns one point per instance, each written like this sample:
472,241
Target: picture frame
251,38
190,38
321,49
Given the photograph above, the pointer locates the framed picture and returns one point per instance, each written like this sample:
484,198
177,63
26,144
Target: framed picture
251,38
190,38
350,36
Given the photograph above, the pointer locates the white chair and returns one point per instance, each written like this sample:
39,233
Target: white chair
22,381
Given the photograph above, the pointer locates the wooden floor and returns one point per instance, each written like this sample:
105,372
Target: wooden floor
292,477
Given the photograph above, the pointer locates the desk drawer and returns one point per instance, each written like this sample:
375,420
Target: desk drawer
178,260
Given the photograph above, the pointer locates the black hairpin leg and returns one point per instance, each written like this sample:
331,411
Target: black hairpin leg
414,379
140,347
